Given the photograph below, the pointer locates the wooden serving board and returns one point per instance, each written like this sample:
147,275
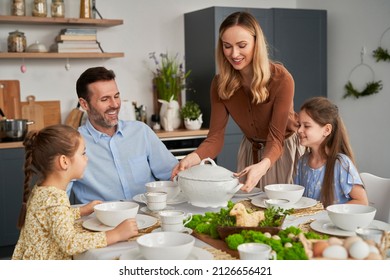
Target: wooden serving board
51,111
33,112
216,243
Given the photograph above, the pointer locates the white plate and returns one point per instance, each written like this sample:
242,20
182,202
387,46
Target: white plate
143,221
196,254
185,230
254,191
304,202
326,226
180,198
146,210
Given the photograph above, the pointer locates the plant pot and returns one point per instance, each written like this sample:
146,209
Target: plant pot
193,124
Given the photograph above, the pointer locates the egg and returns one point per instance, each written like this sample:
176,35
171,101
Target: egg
288,245
373,256
276,237
373,249
335,241
319,247
359,250
335,252
350,240
267,234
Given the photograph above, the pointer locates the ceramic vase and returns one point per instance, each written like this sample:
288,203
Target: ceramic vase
193,124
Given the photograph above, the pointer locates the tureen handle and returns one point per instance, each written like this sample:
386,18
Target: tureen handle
236,188
209,160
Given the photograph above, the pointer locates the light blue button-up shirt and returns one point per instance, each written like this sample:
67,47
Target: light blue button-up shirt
119,166
345,177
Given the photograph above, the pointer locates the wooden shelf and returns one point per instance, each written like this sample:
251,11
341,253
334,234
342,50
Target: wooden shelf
57,21
181,133
61,55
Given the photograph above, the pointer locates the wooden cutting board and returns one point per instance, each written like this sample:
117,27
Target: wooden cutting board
10,98
51,111
33,112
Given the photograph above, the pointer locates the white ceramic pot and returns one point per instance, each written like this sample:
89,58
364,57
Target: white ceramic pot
208,185
193,124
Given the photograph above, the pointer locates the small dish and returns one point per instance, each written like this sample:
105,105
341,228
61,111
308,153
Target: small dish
304,202
180,198
253,192
146,210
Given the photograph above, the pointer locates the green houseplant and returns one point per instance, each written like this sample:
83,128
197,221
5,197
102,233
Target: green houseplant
192,115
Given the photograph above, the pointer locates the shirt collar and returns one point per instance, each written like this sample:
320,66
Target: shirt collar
96,134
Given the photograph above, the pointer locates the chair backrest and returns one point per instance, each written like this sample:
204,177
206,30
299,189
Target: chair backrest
378,193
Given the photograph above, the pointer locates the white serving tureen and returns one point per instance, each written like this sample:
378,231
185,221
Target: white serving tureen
208,185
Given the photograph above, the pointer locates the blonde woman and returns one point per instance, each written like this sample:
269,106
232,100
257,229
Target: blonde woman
258,94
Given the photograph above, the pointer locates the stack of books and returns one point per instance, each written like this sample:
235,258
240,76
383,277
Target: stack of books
77,40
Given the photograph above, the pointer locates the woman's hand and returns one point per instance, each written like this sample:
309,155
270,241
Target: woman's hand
88,208
253,174
190,160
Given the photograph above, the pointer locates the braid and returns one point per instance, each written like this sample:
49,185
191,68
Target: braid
29,143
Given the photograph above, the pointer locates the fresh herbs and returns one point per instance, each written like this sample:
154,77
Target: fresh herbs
371,88
274,217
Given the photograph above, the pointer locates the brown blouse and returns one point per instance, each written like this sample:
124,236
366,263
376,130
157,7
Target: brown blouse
272,121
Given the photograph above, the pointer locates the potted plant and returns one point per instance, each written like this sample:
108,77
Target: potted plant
168,82
192,115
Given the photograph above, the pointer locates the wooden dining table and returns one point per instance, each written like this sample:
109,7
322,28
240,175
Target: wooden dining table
114,251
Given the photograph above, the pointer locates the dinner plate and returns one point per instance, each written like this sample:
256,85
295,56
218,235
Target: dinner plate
180,198
196,254
185,230
253,192
327,227
143,221
304,202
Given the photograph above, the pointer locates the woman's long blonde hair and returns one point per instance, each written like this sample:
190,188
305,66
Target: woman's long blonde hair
229,78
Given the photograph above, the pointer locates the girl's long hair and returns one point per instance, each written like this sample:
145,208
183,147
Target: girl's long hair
323,112
229,78
41,149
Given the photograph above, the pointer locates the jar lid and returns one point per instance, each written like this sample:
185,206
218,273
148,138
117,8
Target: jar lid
37,47
16,32
207,172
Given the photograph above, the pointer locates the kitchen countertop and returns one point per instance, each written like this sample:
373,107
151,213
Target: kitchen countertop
11,145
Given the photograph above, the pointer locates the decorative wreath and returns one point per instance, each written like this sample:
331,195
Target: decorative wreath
371,88
381,54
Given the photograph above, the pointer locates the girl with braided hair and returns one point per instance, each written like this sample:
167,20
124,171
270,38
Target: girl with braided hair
56,155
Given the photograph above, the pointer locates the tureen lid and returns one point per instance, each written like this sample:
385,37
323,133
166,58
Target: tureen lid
207,172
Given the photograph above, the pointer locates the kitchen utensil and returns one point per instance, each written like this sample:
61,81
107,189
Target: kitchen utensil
33,111
13,130
75,116
10,98
51,111
208,185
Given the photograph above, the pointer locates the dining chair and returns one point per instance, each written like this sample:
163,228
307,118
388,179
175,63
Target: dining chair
378,193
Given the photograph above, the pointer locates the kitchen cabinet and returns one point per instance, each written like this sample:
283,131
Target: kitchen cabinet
11,191
296,38
26,20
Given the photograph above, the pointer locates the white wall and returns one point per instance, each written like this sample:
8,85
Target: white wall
158,25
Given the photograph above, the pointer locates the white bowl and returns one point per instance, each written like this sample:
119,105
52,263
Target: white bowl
351,216
291,192
166,245
113,213
170,187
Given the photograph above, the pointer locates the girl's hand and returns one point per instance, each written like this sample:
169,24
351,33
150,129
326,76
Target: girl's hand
253,174
190,160
122,232
88,208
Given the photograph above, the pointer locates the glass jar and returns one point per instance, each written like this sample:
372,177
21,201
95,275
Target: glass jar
18,8
58,8
39,8
85,9
17,42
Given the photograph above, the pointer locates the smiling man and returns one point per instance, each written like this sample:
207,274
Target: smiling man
123,155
